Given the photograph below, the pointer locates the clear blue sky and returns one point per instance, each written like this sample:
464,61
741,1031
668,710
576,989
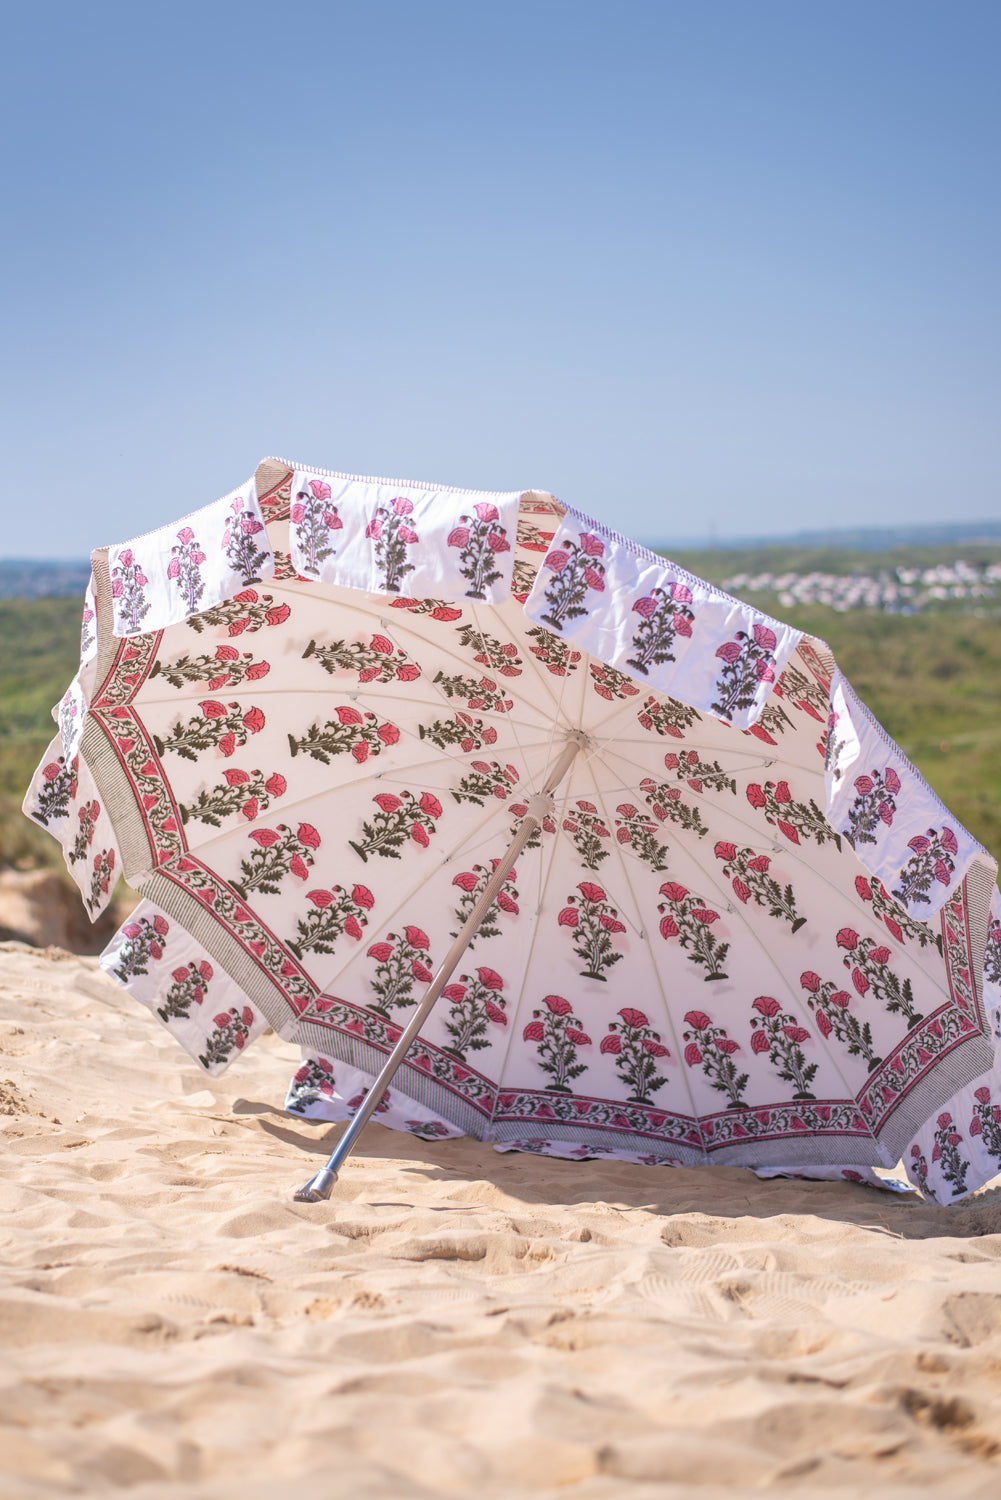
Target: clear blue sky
698,266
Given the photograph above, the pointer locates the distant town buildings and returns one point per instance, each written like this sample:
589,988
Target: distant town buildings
899,591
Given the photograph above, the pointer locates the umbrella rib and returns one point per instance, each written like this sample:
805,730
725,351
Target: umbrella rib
732,816
635,921
541,675
756,759
809,1022
559,709
557,795
436,645
510,722
803,1014
395,774
476,842
623,706
364,778
708,871
556,837
443,648
583,684
627,708
695,1114
577,721
557,699
595,747
736,818
506,719
445,752
545,875
452,705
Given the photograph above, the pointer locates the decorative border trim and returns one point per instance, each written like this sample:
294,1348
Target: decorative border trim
269,991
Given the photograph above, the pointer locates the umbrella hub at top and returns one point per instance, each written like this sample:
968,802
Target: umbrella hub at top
541,805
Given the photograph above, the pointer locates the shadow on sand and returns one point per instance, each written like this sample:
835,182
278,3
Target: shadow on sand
712,1193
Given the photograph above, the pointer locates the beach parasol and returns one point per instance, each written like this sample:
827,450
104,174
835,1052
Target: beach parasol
620,865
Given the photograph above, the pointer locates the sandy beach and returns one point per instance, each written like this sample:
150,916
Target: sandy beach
453,1320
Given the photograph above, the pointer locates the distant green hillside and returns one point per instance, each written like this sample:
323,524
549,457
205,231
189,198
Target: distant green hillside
27,578
39,652
717,563
937,537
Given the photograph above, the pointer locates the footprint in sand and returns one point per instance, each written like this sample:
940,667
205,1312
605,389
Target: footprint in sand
706,1265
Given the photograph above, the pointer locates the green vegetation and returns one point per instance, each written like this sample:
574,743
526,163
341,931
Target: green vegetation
933,680
39,652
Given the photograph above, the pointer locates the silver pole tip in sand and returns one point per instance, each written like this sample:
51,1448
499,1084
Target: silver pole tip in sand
317,1187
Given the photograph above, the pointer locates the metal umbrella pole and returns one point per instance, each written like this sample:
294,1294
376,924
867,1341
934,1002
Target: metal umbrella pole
540,806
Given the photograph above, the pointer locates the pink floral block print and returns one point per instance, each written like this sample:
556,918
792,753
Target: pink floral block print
403,540
182,570
169,972
658,625
889,814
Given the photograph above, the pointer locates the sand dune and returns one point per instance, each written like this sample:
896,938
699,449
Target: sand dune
453,1321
